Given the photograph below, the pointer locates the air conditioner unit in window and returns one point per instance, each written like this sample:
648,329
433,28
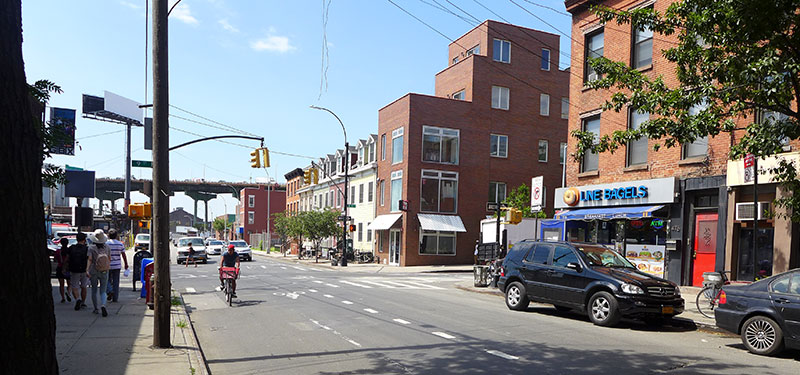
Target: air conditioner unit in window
744,211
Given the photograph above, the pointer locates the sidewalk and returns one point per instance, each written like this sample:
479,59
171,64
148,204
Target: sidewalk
121,343
365,267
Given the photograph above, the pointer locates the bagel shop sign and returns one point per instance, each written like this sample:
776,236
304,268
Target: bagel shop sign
626,193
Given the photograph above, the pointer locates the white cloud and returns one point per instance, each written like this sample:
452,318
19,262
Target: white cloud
273,43
129,5
227,26
183,13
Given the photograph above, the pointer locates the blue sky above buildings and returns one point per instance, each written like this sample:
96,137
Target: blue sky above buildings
255,66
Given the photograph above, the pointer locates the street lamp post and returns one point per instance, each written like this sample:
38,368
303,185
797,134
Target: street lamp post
343,261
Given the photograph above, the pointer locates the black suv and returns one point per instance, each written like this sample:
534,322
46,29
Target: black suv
585,277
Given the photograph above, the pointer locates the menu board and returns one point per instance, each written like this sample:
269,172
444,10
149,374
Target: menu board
647,258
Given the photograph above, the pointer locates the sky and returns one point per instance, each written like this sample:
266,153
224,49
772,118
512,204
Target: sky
256,66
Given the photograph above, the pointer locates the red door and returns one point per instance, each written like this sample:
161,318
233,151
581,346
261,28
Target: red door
705,246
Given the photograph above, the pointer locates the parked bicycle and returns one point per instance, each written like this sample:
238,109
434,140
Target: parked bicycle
708,298
365,257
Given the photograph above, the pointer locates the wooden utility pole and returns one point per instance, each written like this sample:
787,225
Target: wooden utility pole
160,229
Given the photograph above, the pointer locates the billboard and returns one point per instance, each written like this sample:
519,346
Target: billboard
62,127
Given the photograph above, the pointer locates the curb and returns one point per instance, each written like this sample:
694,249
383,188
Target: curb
196,356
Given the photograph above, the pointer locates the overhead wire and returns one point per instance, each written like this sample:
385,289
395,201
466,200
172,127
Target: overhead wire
220,125
241,145
547,7
99,135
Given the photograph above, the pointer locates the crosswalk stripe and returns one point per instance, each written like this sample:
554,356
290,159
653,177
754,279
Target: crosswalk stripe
299,268
332,285
319,281
264,267
355,284
379,284
406,285
191,290
426,286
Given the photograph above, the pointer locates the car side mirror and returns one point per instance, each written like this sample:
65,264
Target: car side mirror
574,266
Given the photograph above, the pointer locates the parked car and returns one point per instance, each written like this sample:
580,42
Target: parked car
588,278
141,242
215,247
765,313
63,233
197,244
243,249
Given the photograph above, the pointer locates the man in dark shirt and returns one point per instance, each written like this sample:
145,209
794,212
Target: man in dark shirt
76,260
229,259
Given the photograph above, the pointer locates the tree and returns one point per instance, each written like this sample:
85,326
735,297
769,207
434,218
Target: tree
219,225
28,345
283,227
318,225
739,60
520,198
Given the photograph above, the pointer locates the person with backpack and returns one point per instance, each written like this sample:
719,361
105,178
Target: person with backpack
117,250
97,267
75,258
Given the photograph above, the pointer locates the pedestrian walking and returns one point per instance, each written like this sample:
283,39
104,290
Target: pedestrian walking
62,272
97,269
76,260
118,256
190,258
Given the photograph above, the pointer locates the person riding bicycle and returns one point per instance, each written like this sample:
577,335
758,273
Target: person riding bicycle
229,259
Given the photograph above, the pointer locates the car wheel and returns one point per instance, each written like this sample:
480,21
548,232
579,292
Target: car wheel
562,308
762,335
517,297
603,309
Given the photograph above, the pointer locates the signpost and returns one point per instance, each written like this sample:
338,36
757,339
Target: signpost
537,201
749,163
142,163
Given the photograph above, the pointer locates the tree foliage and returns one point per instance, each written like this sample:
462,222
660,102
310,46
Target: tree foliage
41,90
317,225
736,60
219,225
520,198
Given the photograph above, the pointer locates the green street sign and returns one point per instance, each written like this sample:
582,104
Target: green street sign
142,163
351,206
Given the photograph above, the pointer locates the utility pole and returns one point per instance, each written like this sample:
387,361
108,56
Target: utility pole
161,328
755,217
128,170
343,262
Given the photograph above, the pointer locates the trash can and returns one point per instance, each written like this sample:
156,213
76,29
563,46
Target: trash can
481,274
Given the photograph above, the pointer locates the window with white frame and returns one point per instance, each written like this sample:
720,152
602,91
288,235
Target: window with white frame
360,232
381,191
397,146
498,145
699,147
383,146
360,193
440,145
371,152
439,191
352,194
369,234
500,97
545,59
544,105
396,191
593,49
369,192
497,192
543,150
562,153
437,243
642,51
361,159
251,201
501,51
251,217
591,160
637,149
461,95
565,108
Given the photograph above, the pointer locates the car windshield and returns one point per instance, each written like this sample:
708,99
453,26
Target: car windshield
142,237
239,243
214,243
602,257
193,241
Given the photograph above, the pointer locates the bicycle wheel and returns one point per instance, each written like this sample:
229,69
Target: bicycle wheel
707,301
228,292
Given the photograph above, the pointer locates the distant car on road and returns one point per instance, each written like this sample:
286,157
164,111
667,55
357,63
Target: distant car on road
588,278
215,247
197,244
241,247
141,242
765,313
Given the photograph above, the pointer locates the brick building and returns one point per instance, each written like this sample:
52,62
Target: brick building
672,211
498,118
294,181
255,206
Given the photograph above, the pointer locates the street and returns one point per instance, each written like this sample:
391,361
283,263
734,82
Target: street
292,319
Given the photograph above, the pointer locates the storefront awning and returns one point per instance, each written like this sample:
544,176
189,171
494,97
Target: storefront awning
608,213
384,222
442,223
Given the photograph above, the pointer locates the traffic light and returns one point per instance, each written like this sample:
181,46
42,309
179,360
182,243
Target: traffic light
255,159
307,177
352,228
315,171
513,216
266,157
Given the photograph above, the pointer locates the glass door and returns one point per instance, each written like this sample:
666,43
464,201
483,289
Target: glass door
394,246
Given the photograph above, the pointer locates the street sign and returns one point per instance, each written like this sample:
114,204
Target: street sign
492,206
403,205
141,163
351,206
537,192
749,163
344,218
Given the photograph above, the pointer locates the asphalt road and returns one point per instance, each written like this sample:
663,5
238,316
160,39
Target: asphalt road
292,319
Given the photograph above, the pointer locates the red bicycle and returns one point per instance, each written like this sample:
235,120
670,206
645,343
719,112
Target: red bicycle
228,275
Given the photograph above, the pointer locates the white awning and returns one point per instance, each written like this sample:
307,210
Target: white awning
384,222
442,223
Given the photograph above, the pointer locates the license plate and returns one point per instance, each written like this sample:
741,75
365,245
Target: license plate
667,310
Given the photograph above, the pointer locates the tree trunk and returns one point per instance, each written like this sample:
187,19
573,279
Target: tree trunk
26,300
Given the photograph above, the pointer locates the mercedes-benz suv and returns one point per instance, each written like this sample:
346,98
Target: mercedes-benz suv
588,278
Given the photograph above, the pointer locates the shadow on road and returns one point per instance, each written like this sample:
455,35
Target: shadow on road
635,325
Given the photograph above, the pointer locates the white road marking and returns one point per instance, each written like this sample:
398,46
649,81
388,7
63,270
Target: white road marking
312,290
191,290
299,268
248,267
401,321
424,286
335,332
354,343
501,354
355,284
283,268
327,296
315,269
332,285
379,284
371,311
319,281
264,267
347,302
444,335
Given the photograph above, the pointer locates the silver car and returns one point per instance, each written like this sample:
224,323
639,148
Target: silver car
215,247
243,249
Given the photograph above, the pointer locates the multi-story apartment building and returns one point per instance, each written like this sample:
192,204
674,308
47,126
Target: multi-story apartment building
256,205
675,212
498,118
294,180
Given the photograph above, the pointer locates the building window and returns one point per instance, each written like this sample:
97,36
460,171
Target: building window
338,199
383,146
369,234
474,50
381,190
498,145
497,192
440,145
642,47
500,97
396,190
360,193
544,105
545,59
397,146
637,149
459,95
327,203
501,51
251,217
591,159
455,59
543,149
562,153
593,50
352,194
371,152
369,192
360,156
565,108
437,243
699,147
251,201
360,232
439,191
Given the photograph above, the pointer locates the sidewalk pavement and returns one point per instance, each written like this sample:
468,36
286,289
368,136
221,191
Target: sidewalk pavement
364,267
120,343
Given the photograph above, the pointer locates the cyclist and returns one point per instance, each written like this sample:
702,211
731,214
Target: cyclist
229,259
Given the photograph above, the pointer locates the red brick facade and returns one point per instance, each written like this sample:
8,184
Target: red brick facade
276,203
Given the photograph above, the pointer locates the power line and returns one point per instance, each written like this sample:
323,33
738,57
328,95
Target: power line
547,7
243,146
99,135
222,126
